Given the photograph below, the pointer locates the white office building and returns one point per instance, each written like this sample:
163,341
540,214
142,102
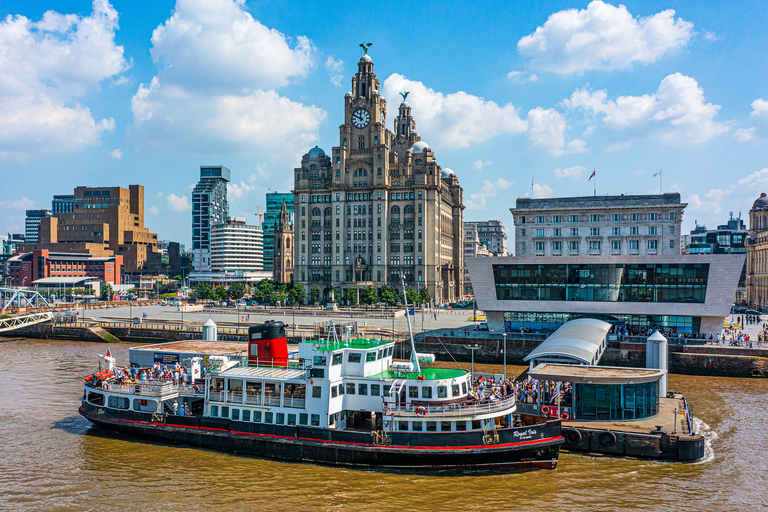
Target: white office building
236,247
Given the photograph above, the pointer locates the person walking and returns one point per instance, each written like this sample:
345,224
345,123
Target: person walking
175,407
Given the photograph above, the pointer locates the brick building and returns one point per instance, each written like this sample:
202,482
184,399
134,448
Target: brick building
27,268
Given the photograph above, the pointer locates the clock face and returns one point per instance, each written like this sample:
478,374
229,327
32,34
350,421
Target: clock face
361,118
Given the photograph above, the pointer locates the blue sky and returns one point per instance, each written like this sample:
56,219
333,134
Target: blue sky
104,94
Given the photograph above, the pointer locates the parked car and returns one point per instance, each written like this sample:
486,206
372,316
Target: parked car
482,327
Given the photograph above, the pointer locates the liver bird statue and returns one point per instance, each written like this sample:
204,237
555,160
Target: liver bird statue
365,47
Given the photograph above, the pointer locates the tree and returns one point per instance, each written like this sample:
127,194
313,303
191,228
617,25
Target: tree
314,293
131,291
220,293
388,295
236,290
298,294
203,291
167,288
350,295
368,295
267,289
424,296
106,291
412,296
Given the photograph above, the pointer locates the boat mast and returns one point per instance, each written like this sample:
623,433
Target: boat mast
414,357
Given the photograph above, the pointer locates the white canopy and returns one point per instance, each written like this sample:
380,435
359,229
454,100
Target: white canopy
581,340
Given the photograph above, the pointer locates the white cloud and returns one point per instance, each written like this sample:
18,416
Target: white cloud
238,191
45,66
479,164
603,37
154,210
522,77
570,172
756,178
744,134
335,68
546,128
759,132
215,88
760,109
455,120
541,190
745,190
24,203
676,114
117,153
178,203
490,189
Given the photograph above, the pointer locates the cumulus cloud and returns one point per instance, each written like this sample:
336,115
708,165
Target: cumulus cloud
455,120
238,191
570,172
490,189
546,129
676,114
154,210
215,89
603,37
760,114
335,69
745,190
24,203
522,77
117,153
541,190
46,66
479,164
178,203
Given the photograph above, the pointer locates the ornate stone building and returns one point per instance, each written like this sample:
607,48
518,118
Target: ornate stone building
757,255
379,206
283,254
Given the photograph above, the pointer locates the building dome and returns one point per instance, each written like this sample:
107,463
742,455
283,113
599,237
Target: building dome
349,95
405,104
420,147
316,152
446,173
761,202
365,58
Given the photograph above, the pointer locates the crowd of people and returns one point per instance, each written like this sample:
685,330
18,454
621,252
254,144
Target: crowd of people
527,391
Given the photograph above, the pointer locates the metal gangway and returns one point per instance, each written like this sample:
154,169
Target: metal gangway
21,298
17,322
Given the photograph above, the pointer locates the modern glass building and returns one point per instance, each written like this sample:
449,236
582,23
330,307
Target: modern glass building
271,217
209,208
32,224
676,293
63,204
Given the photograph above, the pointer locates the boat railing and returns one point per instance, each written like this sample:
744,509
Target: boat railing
253,399
297,403
151,388
216,396
273,400
476,408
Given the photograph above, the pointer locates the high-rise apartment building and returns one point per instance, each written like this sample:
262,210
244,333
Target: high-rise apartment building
32,224
491,234
209,208
598,225
275,201
105,221
63,204
236,247
379,206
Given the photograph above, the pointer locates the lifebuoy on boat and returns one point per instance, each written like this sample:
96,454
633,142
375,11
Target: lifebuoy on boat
544,410
564,416
421,411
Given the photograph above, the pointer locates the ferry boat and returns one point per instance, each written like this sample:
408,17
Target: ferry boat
339,401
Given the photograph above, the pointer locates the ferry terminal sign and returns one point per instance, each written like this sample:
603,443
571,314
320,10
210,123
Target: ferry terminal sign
163,358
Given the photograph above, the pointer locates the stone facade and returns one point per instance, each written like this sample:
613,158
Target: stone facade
283,247
598,225
378,206
491,234
757,255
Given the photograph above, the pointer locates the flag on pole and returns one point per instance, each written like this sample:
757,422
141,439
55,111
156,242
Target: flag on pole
657,174
592,175
109,353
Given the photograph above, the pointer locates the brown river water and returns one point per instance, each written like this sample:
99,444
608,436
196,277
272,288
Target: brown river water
52,459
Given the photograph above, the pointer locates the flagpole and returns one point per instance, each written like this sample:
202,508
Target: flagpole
531,187
660,174
594,185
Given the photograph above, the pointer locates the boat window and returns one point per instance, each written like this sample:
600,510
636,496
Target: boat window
431,426
294,394
476,425
280,418
413,392
224,412
445,426
390,350
253,392
380,354
268,416
337,357
387,389
319,360
334,392
416,426
362,389
350,389
292,420
257,416
315,420
455,390
463,388
317,392
303,418
461,425
442,392
214,411
246,415
370,356
96,398
426,392
354,357
330,420
119,402
375,389
236,414
402,425
341,389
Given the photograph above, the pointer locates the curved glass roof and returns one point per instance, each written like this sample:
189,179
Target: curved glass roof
580,339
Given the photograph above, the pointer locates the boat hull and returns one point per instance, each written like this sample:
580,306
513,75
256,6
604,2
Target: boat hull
523,448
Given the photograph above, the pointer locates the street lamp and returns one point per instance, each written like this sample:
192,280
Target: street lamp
293,323
505,355
472,349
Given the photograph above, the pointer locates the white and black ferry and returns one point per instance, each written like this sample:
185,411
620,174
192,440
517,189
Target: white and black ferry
338,401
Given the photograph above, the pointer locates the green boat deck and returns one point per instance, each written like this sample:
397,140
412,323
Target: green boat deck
425,373
356,344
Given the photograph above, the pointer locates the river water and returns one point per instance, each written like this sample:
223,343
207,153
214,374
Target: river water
55,460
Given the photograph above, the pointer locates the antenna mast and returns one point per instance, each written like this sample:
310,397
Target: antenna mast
414,357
